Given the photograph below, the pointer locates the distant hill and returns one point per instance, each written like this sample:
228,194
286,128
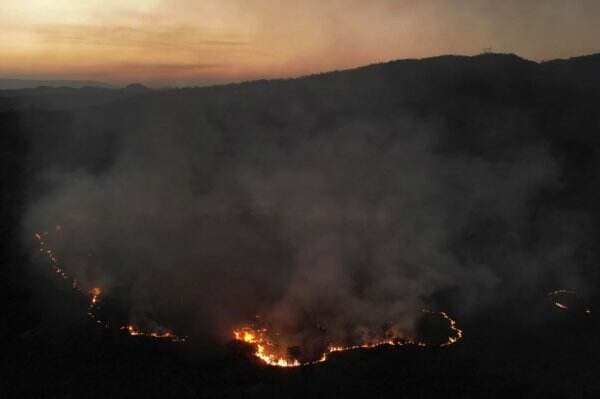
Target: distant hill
55,98
394,81
15,84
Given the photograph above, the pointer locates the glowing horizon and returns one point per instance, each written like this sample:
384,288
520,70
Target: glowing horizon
178,42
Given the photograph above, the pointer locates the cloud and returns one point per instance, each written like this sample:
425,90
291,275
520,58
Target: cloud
271,38
171,68
181,37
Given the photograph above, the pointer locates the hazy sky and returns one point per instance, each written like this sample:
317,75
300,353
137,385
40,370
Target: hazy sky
206,41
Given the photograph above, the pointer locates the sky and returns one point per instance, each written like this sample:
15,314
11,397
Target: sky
182,42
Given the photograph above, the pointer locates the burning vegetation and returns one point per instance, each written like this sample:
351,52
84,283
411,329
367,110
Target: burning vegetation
95,297
568,300
269,349
163,334
268,345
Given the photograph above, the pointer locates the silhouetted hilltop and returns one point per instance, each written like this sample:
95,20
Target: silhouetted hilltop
16,84
494,77
408,80
580,72
136,87
55,98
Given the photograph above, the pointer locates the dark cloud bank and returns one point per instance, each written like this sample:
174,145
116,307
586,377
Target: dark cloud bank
348,200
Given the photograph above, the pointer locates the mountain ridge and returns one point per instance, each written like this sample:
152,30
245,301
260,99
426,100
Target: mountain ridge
20,84
17,84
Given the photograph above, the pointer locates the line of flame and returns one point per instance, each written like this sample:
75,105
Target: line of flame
257,337
564,306
95,297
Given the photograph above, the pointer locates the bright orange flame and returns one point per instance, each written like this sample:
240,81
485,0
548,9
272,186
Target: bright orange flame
166,335
267,351
95,294
264,347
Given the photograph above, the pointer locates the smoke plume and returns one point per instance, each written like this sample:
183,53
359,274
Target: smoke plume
328,228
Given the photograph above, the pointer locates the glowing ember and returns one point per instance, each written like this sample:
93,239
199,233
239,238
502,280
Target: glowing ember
166,335
95,296
562,299
270,353
93,306
560,305
53,260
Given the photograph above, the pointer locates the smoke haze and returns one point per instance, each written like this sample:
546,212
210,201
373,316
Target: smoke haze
200,209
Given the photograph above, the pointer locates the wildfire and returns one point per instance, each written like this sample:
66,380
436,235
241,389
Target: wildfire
95,296
54,260
94,305
269,352
165,335
561,306
560,299
266,348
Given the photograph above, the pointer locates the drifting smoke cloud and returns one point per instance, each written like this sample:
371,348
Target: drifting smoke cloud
343,226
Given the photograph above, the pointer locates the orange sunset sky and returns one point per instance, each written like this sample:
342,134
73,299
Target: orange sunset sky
179,42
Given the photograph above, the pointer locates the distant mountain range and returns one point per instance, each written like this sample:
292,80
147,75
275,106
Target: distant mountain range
15,84
64,97
587,62
399,80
